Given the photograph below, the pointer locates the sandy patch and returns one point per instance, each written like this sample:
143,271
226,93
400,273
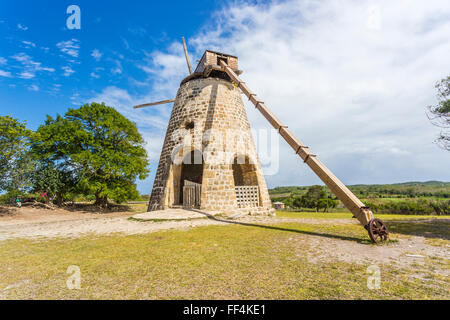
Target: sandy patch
171,214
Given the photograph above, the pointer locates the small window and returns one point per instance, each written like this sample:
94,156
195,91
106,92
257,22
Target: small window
224,59
190,125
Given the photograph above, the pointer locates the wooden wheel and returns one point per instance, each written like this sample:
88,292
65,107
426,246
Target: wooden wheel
378,231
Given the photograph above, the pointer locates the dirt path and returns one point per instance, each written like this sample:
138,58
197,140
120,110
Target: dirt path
35,223
36,215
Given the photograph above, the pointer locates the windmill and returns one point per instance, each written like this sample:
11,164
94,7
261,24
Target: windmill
209,100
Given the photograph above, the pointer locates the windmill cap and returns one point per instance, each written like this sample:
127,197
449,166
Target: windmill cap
210,59
220,53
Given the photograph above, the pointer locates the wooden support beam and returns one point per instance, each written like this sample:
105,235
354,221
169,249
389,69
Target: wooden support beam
154,103
359,210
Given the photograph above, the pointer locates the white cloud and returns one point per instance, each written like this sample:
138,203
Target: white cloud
118,68
165,69
96,54
67,71
3,60
350,79
69,47
22,27
29,44
76,100
33,87
94,75
27,75
125,42
29,66
55,88
5,74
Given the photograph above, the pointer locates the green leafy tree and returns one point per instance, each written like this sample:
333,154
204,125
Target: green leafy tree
19,180
439,114
53,182
101,148
297,202
16,164
312,197
326,204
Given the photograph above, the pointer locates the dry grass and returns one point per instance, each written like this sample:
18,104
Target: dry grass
211,262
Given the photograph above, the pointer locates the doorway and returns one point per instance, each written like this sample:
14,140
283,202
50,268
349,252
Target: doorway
191,174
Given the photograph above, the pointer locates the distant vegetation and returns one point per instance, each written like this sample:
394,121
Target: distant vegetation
432,197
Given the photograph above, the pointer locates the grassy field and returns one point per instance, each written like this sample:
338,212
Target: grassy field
216,262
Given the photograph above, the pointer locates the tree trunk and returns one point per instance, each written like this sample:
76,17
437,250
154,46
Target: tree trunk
59,199
97,199
45,197
101,201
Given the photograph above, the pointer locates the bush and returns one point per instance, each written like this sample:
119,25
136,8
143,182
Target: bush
412,207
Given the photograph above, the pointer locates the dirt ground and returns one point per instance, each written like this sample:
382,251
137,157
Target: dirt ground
33,223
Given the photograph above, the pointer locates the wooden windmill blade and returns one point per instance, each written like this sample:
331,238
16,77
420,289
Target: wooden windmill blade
154,103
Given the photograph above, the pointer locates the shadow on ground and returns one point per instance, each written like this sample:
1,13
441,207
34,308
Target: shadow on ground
311,233
88,207
433,228
7,210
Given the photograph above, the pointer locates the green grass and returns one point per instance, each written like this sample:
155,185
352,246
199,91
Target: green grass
211,262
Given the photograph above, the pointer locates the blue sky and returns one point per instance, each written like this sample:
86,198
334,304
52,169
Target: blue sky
350,78
45,68
121,32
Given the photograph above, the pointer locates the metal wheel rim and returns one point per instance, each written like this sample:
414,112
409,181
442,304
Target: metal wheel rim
378,231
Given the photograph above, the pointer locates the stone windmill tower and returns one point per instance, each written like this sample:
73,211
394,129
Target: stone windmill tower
209,160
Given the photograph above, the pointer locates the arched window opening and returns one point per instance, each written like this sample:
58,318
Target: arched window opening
244,173
245,182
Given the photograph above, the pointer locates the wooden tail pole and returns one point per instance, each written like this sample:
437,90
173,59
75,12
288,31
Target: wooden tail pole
377,229
187,56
